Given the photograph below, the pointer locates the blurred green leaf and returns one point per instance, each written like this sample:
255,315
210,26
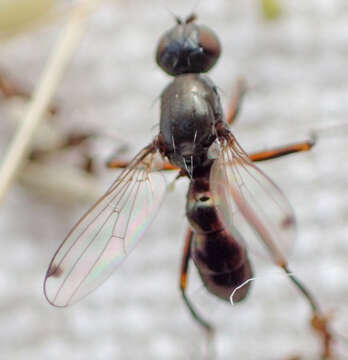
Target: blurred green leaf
270,9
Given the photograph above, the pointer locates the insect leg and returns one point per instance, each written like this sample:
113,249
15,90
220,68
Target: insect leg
282,151
235,104
119,164
183,282
319,321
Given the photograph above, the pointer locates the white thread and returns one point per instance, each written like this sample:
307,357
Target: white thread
238,287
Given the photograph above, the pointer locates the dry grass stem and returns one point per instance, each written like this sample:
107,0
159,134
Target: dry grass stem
50,78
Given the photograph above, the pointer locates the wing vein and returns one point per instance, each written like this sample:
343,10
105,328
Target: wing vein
130,186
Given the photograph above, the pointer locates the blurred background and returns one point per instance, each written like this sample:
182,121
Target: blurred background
294,59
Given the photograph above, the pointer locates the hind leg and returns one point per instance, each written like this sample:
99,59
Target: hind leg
183,282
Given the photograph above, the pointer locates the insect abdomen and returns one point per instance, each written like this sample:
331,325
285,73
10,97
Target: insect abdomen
222,264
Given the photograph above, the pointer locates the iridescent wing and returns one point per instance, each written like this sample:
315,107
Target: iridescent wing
107,233
251,203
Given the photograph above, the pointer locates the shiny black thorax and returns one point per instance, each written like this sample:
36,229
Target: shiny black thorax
190,111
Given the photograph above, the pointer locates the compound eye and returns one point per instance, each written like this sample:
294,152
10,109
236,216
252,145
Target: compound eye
210,45
161,48
188,48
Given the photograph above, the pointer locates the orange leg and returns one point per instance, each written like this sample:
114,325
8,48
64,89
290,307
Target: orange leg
183,281
319,322
281,151
235,104
119,164
258,156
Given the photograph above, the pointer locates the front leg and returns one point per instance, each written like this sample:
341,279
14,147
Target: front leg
283,150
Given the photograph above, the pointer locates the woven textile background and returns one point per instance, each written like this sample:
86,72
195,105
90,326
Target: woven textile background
297,75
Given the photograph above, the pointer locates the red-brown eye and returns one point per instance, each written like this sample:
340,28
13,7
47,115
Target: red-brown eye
188,48
210,45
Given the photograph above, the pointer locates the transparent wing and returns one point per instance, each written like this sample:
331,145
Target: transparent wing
250,202
107,233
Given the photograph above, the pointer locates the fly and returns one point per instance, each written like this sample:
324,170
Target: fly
229,199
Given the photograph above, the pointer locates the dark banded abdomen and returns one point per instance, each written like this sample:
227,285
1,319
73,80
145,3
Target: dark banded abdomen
222,264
